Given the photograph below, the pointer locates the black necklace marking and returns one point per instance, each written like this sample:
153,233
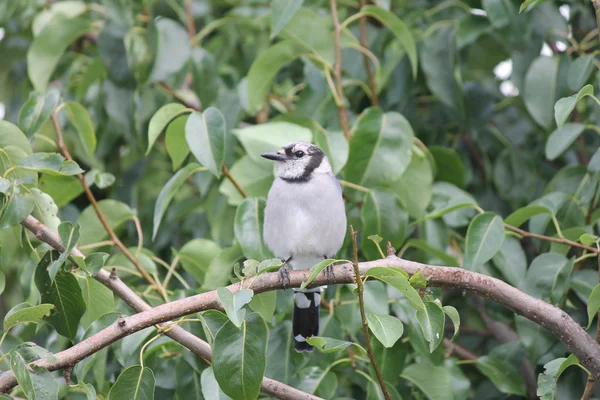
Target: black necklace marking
316,159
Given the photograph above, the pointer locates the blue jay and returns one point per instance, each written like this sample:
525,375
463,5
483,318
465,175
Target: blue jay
305,222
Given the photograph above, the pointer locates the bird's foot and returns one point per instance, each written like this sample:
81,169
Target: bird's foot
284,274
329,273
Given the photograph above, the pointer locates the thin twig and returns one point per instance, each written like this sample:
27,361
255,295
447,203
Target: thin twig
367,62
365,325
550,238
170,271
235,183
92,199
191,26
186,102
461,352
337,69
589,389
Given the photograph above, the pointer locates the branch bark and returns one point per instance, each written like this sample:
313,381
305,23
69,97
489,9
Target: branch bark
558,322
193,343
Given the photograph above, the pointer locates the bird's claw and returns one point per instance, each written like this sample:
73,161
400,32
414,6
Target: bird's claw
284,273
329,273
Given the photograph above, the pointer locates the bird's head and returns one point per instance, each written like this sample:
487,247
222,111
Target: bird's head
298,161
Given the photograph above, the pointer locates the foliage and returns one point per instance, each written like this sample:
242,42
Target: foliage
153,115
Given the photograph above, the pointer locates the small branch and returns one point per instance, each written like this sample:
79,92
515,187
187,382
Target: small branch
361,305
235,183
337,69
191,26
589,389
113,236
171,92
460,351
193,343
367,62
550,238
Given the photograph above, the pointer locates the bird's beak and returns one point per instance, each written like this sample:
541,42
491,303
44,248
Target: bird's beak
274,156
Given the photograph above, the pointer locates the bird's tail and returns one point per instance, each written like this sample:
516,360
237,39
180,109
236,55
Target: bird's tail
306,317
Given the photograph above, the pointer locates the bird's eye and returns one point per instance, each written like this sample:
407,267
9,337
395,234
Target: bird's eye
299,154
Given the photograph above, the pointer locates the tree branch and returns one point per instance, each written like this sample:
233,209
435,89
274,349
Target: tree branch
193,343
235,183
558,322
367,62
363,317
550,238
337,70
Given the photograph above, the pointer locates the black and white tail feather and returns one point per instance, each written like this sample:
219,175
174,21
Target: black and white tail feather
305,319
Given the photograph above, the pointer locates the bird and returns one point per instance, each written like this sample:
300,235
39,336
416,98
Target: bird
304,223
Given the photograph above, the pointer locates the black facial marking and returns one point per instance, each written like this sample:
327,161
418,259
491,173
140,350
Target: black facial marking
315,158
288,150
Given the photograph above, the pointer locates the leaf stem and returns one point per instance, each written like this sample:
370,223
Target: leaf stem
361,304
146,345
355,186
233,181
337,68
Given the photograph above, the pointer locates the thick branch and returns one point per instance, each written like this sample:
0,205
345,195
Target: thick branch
196,345
558,322
337,69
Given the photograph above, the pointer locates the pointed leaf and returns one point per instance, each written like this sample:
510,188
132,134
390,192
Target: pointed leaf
593,305
540,90
24,313
398,279
316,270
45,210
17,207
282,11
239,357
580,71
327,345
210,386
161,119
50,163
36,110
177,147
432,321
98,298
248,229
503,374
562,138
208,138
454,316
484,238
81,121
36,382
134,383
68,237
264,304
387,329
233,303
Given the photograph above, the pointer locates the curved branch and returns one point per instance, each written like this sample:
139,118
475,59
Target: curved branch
193,343
558,322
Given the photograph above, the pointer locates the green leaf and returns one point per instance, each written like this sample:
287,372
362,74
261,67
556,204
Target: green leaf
68,237
233,303
264,304
387,329
62,188
104,180
48,47
256,179
418,281
313,32
434,381
540,90
588,240
177,146
547,381
36,110
17,207
564,106
208,138
36,382
449,166
440,66
2,282
398,279
520,216
380,148
50,163
414,188
220,268
562,138
239,357
454,316
210,387
511,261
502,374
382,214
98,298
484,238
134,383
94,263
580,71
11,135
45,210
196,256
499,12
161,119
316,270
265,67
327,345
171,48
424,246
168,192
432,320
248,229
531,4
548,277
593,304
24,313
450,202
64,293
282,11
271,136
399,29
81,121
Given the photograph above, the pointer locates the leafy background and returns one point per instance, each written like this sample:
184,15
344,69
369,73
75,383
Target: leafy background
468,122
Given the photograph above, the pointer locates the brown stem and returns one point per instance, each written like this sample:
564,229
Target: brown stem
365,325
460,351
235,183
589,389
191,26
193,343
550,239
171,92
113,236
366,61
337,70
